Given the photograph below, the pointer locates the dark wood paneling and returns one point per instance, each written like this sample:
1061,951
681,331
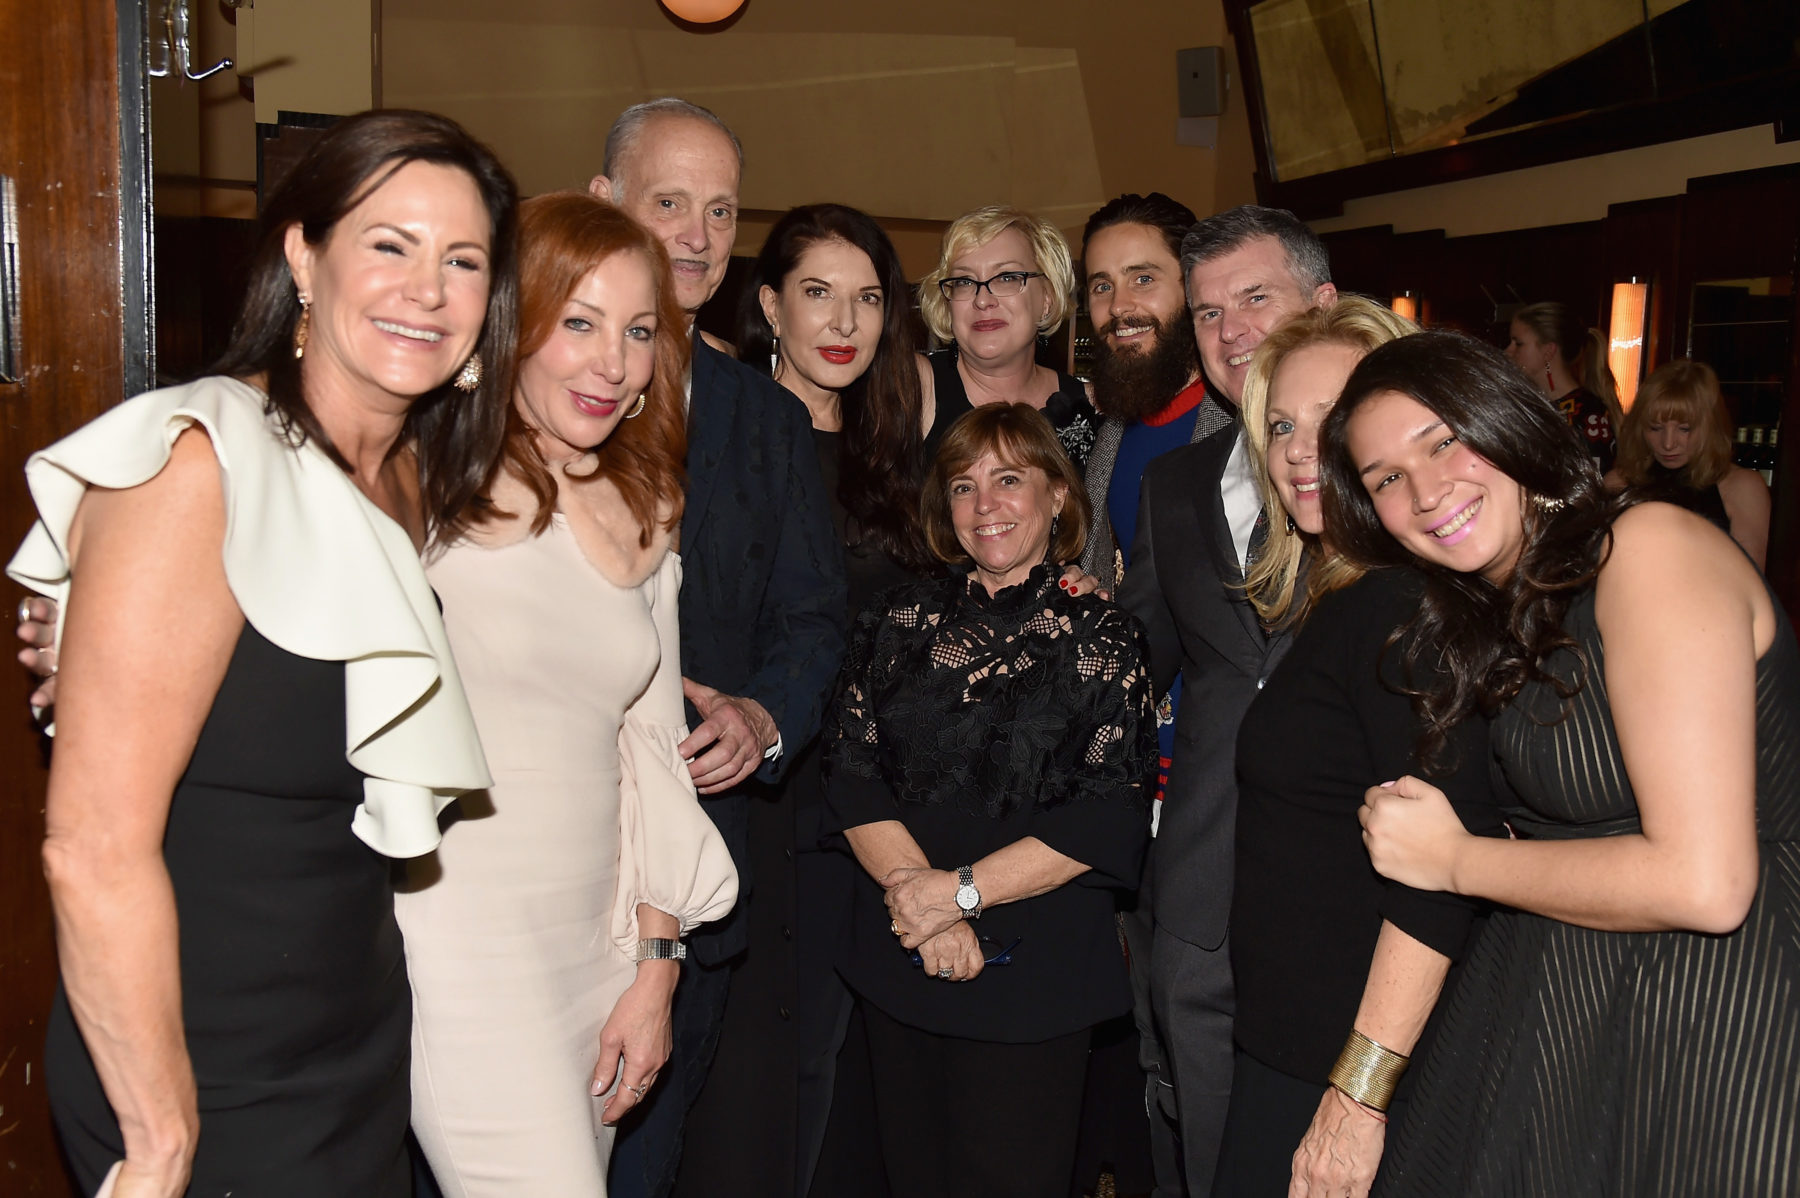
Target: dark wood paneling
59,124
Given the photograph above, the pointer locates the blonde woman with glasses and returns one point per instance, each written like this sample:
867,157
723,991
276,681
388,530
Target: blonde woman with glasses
1003,280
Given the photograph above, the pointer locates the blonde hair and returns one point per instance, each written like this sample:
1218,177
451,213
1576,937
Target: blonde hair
1687,391
1359,324
974,229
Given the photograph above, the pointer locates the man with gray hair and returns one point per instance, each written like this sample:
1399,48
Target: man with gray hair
1246,270
762,591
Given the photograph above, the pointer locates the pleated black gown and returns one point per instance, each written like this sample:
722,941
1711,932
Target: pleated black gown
293,982
1585,1063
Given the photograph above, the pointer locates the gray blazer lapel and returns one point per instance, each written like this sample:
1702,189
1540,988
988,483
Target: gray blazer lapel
1101,556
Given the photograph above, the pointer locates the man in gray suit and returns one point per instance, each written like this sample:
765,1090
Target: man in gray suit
1246,270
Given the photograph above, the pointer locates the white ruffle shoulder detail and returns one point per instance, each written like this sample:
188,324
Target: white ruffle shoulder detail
317,569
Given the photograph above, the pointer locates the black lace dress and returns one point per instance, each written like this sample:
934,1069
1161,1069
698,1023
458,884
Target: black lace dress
1582,1063
976,721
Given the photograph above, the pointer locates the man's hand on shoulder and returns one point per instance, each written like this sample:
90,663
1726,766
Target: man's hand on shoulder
735,733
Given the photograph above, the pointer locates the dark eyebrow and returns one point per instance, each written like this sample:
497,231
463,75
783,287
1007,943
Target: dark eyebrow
413,238
1420,435
1251,288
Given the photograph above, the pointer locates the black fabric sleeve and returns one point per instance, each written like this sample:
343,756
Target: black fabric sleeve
856,791
1097,812
800,624
1390,729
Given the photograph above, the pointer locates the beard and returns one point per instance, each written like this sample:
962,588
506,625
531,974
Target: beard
1134,384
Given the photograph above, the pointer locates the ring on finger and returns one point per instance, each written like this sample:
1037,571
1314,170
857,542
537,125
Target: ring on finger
25,611
640,1090
946,973
894,927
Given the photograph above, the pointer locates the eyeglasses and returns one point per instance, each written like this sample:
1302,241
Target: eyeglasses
991,952
1008,282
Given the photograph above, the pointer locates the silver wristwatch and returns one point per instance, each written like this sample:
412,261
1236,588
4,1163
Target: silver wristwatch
968,899
659,949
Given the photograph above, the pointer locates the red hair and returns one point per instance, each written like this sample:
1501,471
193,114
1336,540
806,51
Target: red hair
563,237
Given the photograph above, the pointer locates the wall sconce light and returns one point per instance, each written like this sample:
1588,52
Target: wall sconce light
1406,304
1625,336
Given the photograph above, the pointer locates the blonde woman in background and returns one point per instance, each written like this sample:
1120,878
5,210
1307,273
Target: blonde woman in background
1003,280
1566,360
1676,447
1322,948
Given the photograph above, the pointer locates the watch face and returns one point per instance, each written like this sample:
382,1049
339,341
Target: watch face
967,897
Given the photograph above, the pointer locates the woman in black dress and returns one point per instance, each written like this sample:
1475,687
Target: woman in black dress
1676,447
987,756
234,1013
1323,950
1004,278
1630,1027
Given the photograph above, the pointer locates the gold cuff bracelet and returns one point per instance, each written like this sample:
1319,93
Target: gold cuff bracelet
1368,1072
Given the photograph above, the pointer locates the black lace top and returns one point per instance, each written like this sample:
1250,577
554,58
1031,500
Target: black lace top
976,721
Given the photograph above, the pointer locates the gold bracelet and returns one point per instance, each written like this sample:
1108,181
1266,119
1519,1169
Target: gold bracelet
1367,1072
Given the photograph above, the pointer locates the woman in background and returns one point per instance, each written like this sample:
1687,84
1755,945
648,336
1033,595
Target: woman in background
1626,1022
1566,360
1676,447
234,1013
1004,278
544,935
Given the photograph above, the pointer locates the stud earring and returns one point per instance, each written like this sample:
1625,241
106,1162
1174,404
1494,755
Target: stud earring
469,377
302,327
637,408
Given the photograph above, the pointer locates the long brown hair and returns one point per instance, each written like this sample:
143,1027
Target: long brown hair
1687,391
1481,640
563,237
456,436
882,455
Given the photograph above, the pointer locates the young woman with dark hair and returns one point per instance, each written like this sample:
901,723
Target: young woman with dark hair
542,936
223,804
1626,1023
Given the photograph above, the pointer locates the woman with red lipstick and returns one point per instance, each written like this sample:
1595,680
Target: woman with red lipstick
225,803
988,756
1626,1023
1322,949
1004,279
543,936
1676,447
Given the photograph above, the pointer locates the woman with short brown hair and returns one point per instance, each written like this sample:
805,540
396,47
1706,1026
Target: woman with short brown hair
988,756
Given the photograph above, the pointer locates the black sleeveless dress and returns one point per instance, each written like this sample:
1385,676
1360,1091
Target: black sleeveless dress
294,990
1669,486
1576,1062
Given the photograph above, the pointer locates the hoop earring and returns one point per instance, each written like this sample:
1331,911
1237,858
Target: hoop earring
1292,527
637,408
302,328
469,377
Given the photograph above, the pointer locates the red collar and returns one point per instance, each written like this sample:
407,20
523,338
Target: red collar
1186,401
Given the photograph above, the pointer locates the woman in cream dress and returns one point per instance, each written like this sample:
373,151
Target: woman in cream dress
536,1027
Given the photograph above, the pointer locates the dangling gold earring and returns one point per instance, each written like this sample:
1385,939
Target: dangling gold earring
302,327
469,377
637,408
